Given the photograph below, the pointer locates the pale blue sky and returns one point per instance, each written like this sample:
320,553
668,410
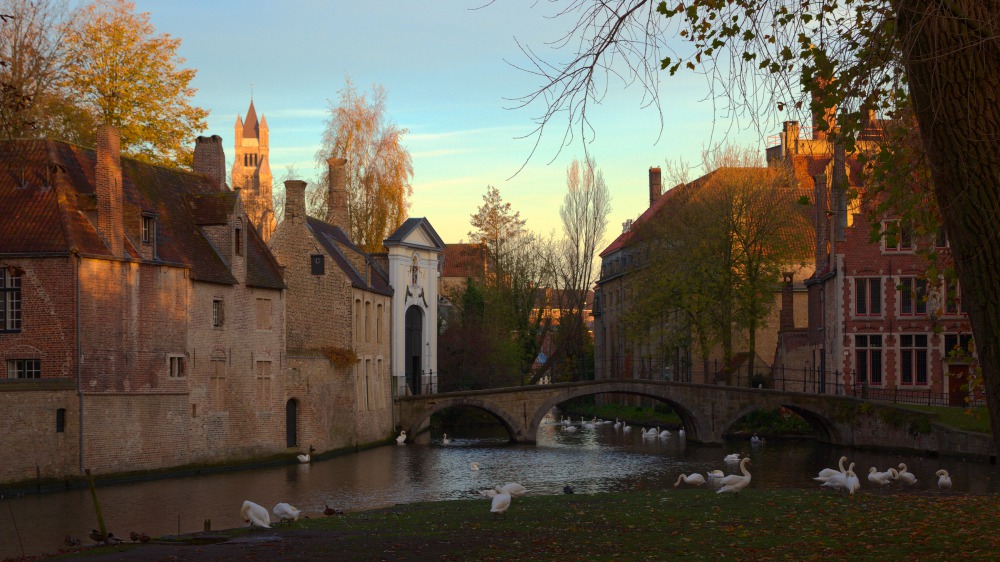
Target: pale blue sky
443,66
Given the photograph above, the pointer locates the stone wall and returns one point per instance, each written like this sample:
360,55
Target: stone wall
31,446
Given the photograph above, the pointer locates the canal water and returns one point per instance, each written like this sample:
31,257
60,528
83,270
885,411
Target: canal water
590,460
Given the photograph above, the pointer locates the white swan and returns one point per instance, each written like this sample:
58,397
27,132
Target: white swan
716,474
853,484
445,440
881,478
839,481
488,493
501,502
570,428
304,458
591,424
618,423
692,479
734,482
627,428
681,432
286,512
402,438
254,514
906,476
653,433
512,488
664,434
944,480
755,440
826,473
474,465
732,457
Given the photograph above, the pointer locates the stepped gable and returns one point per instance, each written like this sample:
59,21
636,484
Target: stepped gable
332,239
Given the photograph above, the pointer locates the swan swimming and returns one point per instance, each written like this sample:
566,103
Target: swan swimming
664,434
944,480
681,432
691,479
445,440
474,465
402,438
285,512
732,457
501,502
254,514
734,482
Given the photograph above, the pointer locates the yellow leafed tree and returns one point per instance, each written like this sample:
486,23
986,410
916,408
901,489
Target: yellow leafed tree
126,75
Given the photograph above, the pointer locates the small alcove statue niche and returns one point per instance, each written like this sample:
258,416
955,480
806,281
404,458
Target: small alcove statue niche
415,270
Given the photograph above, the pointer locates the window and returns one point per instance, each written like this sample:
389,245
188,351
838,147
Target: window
318,264
10,300
868,296
217,384
957,344
868,354
264,385
177,366
912,296
952,297
263,314
368,321
898,237
913,359
24,368
378,324
61,420
218,313
148,229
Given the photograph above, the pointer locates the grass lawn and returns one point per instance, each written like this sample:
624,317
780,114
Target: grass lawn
972,419
686,523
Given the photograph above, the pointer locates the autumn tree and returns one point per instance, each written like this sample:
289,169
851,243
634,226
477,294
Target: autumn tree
124,74
773,58
379,168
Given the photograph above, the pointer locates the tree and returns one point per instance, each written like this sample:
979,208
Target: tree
379,167
31,67
772,56
125,75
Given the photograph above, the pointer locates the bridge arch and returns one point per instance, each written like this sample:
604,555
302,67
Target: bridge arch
693,425
826,430
511,424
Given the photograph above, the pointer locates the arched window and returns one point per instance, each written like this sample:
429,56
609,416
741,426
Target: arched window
368,321
378,323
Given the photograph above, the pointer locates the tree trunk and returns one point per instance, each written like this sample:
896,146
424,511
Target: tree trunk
952,56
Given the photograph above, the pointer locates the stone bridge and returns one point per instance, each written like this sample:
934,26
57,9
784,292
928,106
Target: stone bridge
707,412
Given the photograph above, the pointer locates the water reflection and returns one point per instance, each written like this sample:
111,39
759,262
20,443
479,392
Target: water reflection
597,460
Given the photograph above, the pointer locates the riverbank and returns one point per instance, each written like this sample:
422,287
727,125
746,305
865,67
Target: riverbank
688,523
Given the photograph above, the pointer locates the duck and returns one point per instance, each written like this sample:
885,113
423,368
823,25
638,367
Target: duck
944,479
826,473
501,503
690,479
881,478
254,514
513,488
111,539
474,466
732,457
567,489
402,438
328,511
98,536
906,476
734,482
445,440
285,512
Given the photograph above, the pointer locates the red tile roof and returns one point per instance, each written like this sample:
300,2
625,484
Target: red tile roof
464,261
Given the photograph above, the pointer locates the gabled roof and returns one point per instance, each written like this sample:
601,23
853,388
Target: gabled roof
251,128
337,245
47,189
416,233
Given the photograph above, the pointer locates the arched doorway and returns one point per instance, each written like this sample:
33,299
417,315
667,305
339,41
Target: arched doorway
412,357
291,423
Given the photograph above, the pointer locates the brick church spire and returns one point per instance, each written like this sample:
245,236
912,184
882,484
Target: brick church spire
252,170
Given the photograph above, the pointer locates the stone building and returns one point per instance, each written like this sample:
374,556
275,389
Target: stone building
251,172
142,324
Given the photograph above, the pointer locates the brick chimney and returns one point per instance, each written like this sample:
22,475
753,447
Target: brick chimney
109,189
655,186
210,159
787,319
790,138
295,200
336,211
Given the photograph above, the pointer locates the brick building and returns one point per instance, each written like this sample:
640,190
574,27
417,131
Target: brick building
142,324
252,170
875,322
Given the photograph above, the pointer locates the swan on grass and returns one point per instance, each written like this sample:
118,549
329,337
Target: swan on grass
716,474
881,479
489,494
944,479
286,512
853,484
735,482
840,481
501,503
690,479
827,473
905,476
512,488
255,514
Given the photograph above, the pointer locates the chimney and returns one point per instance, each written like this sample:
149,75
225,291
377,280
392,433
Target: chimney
210,159
109,189
655,186
336,210
787,319
295,200
790,138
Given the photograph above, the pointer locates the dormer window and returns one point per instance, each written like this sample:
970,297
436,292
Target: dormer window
238,237
148,229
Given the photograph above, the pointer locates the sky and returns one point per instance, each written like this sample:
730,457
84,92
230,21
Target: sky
450,74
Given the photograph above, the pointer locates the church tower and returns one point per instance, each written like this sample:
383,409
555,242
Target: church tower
252,171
